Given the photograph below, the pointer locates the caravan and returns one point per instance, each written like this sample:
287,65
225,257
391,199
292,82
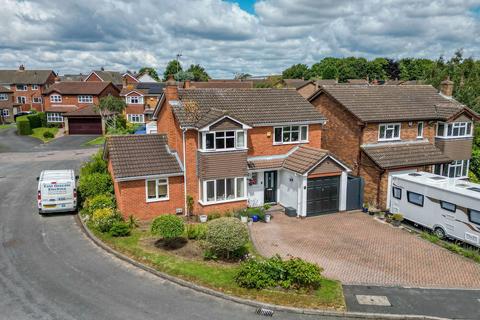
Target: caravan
447,206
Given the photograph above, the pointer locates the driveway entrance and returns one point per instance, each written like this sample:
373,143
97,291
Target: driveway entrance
356,249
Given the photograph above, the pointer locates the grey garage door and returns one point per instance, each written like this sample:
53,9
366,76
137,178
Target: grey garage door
322,195
84,125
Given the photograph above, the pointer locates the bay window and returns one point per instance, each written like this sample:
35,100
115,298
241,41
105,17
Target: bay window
221,190
390,131
290,134
54,117
456,169
156,189
222,140
454,130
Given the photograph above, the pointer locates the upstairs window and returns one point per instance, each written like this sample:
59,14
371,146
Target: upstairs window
134,99
85,99
389,131
3,97
37,99
21,87
136,118
34,86
223,140
55,98
22,100
420,130
290,134
454,130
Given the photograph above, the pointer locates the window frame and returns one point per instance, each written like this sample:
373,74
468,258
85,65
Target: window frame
393,193
447,209
204,191
444,169
3,97
282,134
24,87
203,140
23,98
469,211
157,198
55,98
54,117
34,86
141,116
140,100
414,203
39,100
386,125
451,127
83,98
5,113
421,125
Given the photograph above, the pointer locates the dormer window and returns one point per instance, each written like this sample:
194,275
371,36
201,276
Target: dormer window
223,140
454,130
134,100
55,98
389,132
85,99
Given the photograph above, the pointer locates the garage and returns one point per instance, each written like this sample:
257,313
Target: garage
323,195
85,125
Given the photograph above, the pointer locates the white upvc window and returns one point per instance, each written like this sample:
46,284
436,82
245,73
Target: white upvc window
3,97
290,134
223,140
454,129
156,189
85,99
5,112
34,86
55,98
136,118
134,100
54,117
389,131
22,100
456,169
420,130
37,99
224,190
21,87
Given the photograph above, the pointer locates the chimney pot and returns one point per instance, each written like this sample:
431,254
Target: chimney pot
446,87
21,67
186,84
171,81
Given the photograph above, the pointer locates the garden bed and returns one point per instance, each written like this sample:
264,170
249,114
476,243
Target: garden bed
39,133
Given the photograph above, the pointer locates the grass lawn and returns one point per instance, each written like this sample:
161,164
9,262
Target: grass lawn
5,126
38,133
220,276
95,142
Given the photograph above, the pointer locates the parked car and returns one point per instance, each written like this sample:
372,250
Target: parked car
22,113
57,191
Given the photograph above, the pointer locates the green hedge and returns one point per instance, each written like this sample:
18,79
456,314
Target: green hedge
35,121
43,119
23,126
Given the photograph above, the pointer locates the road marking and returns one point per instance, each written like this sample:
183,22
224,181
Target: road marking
373,300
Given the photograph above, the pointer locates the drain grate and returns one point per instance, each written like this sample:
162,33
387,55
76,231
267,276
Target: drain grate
373,300
264,312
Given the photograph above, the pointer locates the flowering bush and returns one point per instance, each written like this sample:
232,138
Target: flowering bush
103,219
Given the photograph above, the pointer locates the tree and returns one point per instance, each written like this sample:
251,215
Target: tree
376,69
392,69
242,76
183,75
150,71
297,71
109,107
199,73
173,67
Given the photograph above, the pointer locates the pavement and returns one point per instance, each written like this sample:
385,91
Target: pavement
49,269
357,249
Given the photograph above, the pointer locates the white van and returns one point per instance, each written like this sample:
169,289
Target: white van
57,191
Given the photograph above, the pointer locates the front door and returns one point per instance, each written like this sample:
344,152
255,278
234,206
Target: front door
270,182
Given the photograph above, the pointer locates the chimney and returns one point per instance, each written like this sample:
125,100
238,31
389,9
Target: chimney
124,81
166,123
57,79
21,67
446,87
171,90
102,69
186,84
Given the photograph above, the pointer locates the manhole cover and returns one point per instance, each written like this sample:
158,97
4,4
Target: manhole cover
373,300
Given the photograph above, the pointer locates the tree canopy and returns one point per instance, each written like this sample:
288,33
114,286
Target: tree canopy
173,67
150,71
110,106
199,73
297,71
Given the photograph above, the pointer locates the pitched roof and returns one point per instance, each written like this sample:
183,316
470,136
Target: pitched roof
110,76
296,83
145,88
61,108
78,87
5,90
262,164
141,156
24,76
88,111
391,155
72,77
373,103
221,84
254,107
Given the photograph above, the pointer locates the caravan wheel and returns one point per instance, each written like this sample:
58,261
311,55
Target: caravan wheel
439,232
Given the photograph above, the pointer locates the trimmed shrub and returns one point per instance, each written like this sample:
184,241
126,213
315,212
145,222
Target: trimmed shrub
103,219
100,201
289,274
196,231
96,165
94,184
169,227
35,121
43,119
48,135
120,229
23,126
226,235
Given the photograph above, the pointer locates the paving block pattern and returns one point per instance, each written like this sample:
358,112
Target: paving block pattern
357,249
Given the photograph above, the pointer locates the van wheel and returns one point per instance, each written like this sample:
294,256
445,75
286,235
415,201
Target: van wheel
439,232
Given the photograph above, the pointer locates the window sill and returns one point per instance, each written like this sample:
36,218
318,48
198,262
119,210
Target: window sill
453,138
220,202
157,200
389,140
295,142
223,150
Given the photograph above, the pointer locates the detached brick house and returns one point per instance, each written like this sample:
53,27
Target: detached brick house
227,149
115,77
27,87
76,100
380,131
141,99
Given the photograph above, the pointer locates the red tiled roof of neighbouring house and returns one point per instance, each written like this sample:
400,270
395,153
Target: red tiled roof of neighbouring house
24,76
78,87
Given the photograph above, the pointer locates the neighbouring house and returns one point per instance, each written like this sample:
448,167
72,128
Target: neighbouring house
27,86
306,88
218,83
144,77
75,100
8,107
72,77
228,149
114,77
141,99
380,131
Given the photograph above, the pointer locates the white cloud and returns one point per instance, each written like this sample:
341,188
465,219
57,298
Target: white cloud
77,36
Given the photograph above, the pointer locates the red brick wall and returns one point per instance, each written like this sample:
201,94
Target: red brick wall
260,141
110,90
67,100
407,132
93,77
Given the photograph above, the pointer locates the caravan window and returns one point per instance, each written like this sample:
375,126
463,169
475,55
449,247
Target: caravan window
474,216
448,206
397,193
415,198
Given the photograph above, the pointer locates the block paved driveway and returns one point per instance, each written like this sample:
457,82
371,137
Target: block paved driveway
356,249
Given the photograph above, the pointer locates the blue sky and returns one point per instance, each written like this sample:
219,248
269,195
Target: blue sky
228,37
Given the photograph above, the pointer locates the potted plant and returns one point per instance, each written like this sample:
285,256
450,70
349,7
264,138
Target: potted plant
267,218
388,218
372,209
397,219
365,207
244,216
